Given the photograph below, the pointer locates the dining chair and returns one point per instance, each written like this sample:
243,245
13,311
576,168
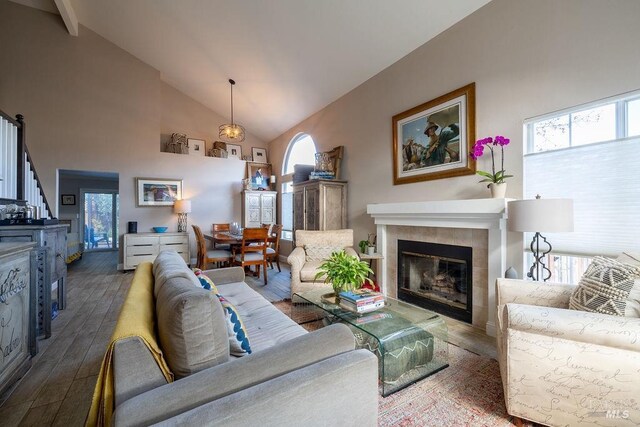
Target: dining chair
218,228
253,250
209,256
273,244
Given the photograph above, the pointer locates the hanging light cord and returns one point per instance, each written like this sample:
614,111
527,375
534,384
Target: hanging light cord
232,83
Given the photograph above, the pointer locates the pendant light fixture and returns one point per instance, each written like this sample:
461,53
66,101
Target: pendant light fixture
231,132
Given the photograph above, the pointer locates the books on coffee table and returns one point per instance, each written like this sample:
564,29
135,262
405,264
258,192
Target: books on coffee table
361,300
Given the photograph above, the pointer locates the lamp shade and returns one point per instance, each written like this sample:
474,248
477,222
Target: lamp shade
182,206
541,215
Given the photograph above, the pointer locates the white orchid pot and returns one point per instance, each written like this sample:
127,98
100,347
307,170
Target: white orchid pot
498,191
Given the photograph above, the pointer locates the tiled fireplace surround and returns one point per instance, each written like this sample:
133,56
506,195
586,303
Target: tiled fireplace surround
479,224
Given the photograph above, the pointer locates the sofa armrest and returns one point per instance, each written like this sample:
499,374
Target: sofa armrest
135,371
238,374
341,390
350,251
581,326
220,276
545,294
297,258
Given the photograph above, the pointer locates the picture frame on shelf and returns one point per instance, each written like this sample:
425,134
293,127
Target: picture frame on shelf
234,151
68,199
259,154
197,147
433,140
157,191
259,175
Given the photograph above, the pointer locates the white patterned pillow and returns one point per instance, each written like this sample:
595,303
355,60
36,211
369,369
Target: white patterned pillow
608,287
319,252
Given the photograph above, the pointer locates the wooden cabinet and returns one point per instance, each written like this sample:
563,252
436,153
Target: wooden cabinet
320,205
17,311
53,238
258,207
143,247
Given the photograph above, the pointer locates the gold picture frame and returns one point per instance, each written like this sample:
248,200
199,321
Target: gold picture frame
433,140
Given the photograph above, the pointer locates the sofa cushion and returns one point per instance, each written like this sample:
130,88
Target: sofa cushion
608,287
238,338
320,252
167,265
265,324
205,281
309,270
191,327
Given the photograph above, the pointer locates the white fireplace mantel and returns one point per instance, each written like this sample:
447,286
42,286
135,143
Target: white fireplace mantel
488,214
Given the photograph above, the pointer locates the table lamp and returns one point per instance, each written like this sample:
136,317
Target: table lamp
540,215
182,208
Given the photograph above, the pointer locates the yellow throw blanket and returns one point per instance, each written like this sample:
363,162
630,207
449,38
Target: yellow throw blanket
136,319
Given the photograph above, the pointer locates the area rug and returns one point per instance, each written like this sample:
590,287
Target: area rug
467,393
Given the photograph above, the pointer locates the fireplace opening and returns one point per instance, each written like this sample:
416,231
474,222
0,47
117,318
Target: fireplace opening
436,277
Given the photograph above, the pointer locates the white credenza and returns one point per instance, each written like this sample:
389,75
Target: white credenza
258,207
142,247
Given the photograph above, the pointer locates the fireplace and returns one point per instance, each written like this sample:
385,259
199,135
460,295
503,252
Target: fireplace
437,277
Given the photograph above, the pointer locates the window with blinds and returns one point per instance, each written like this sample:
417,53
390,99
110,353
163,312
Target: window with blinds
590,154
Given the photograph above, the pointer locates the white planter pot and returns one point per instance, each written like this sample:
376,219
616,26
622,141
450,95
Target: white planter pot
498,190
371,250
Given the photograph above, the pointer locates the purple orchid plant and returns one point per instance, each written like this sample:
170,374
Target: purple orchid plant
492,144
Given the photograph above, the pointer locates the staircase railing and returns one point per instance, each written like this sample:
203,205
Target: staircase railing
19,180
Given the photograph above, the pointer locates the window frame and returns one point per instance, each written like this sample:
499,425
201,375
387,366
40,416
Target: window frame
621,103
287,178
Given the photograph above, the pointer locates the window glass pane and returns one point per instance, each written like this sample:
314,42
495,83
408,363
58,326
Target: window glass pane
564,268
551,134
302,152
633,118
593,125
287,210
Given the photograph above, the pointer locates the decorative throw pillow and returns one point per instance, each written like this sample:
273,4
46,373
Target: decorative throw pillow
238,338
205,281
608,287
319,253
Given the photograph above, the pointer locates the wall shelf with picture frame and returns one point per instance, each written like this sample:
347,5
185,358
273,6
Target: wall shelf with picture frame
179,143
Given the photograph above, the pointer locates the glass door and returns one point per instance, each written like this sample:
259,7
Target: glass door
100,211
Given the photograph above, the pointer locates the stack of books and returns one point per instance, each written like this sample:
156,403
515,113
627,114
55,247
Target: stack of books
322,175
361,300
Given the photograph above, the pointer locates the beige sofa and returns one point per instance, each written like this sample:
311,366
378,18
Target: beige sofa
303,269
564,367
291,378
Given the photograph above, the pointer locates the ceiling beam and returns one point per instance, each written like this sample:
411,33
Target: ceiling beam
68,16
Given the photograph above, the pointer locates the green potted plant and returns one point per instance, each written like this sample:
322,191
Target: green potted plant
344,272
368,246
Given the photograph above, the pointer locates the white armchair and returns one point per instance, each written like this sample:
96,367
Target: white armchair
303,270
565,367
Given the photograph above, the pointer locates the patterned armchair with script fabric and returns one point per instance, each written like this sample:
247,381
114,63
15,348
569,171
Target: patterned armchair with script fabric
570,354
312,248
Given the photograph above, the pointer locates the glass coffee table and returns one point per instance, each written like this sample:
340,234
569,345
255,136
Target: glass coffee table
410,342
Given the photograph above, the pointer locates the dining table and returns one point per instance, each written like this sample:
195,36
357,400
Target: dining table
233,240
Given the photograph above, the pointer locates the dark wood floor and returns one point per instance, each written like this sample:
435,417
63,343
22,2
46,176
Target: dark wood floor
58,388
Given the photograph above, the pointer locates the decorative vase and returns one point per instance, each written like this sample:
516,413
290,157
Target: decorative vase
498,190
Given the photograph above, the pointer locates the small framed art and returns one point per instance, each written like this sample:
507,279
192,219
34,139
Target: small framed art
234,151
197,147
259,154
68,199
158,191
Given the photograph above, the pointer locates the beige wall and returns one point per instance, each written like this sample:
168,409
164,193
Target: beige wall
89,105
526,57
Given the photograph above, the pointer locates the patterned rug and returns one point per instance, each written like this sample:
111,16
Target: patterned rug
467,393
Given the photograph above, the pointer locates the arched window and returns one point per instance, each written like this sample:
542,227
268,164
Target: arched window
301,151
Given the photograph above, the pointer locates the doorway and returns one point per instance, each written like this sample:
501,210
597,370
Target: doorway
90,204
100,211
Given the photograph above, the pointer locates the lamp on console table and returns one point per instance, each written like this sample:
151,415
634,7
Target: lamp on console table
182,208
540,215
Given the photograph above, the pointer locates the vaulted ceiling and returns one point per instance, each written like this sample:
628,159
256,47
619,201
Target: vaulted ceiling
289,58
